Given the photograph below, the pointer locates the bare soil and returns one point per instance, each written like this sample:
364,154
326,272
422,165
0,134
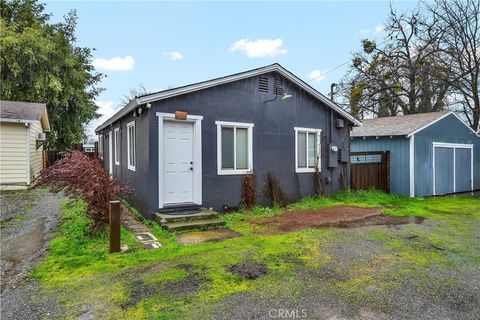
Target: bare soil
249,269
338,216
195,237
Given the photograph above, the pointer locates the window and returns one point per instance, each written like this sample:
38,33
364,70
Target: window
307,149
234,147
116,143
132,158
100,146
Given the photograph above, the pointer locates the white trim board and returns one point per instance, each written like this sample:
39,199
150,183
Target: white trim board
411,164
453,146
227,124
197,155
110,153
318,133
223,80
116,145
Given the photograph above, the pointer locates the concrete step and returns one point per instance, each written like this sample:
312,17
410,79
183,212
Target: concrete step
193,224
161,218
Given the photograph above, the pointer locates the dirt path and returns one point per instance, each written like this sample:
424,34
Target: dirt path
28,219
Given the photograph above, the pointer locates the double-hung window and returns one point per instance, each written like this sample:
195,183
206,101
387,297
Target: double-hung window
234,147
307,149
116,143
132,158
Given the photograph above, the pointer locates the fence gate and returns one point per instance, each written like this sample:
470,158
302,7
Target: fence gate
370,170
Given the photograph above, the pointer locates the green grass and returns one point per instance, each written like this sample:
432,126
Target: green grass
80,270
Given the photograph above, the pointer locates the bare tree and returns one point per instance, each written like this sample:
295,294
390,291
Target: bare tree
402,74
458,21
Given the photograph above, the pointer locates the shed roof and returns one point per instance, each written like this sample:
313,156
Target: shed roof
397,126
156,96
19,111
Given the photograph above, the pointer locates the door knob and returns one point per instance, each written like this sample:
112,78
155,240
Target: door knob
191,168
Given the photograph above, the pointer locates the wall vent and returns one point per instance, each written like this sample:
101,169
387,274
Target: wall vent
263,84
278,87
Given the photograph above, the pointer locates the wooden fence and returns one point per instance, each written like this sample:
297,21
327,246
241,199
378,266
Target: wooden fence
370,170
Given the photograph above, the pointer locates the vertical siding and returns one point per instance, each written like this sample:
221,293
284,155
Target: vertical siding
450,130
35,154
399,159
13,154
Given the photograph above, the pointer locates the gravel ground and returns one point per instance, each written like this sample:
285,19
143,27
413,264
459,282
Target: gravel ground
28,221
312,294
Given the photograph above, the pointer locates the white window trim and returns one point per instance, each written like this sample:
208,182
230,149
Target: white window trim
454,146
100,146
243,125
197,155
110,153
116,135
129,125
318,155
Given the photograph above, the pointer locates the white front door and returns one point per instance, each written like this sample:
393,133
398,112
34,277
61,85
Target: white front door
110,153
178,163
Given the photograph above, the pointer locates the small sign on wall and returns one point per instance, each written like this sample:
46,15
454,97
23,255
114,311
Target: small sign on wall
180,115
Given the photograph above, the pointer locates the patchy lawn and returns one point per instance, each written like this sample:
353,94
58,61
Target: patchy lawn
424,270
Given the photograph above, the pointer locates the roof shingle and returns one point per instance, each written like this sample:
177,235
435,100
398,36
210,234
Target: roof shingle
19,110
395,126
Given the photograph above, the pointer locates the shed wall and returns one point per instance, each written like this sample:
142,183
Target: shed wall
450,130
13,155
399,159
35,154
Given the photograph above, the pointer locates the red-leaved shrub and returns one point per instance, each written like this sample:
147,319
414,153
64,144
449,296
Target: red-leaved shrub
79,175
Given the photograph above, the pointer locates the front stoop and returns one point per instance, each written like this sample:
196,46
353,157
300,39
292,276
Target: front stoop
206,219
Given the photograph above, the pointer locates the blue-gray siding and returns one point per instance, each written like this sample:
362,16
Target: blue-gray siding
273,142
448,130
399,158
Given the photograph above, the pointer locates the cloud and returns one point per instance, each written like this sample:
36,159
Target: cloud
318,75
379,28
259,48
174,55
114,64
106,110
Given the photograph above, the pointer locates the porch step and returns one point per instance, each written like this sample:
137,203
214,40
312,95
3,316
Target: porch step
195,224
206,219
204,214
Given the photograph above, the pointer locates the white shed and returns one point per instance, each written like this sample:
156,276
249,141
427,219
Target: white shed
22,133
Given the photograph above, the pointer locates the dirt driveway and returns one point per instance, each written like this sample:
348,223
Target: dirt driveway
28,219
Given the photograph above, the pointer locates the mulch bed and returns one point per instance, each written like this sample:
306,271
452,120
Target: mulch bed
337,216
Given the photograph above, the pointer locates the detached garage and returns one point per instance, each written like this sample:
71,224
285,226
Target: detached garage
428,154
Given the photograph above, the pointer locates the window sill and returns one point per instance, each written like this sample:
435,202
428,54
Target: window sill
305,170
131,168
234,172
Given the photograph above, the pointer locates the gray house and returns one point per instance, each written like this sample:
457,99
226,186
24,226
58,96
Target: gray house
191,145
430,153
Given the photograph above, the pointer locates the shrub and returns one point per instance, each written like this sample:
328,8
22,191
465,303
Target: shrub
249,191
273,191
81,176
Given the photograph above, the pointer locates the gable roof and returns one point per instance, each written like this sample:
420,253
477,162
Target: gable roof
156,96
24,112
397,126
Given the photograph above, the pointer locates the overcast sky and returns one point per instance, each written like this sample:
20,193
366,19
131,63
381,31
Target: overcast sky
167,44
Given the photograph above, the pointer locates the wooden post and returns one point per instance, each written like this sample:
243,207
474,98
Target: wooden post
114,213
